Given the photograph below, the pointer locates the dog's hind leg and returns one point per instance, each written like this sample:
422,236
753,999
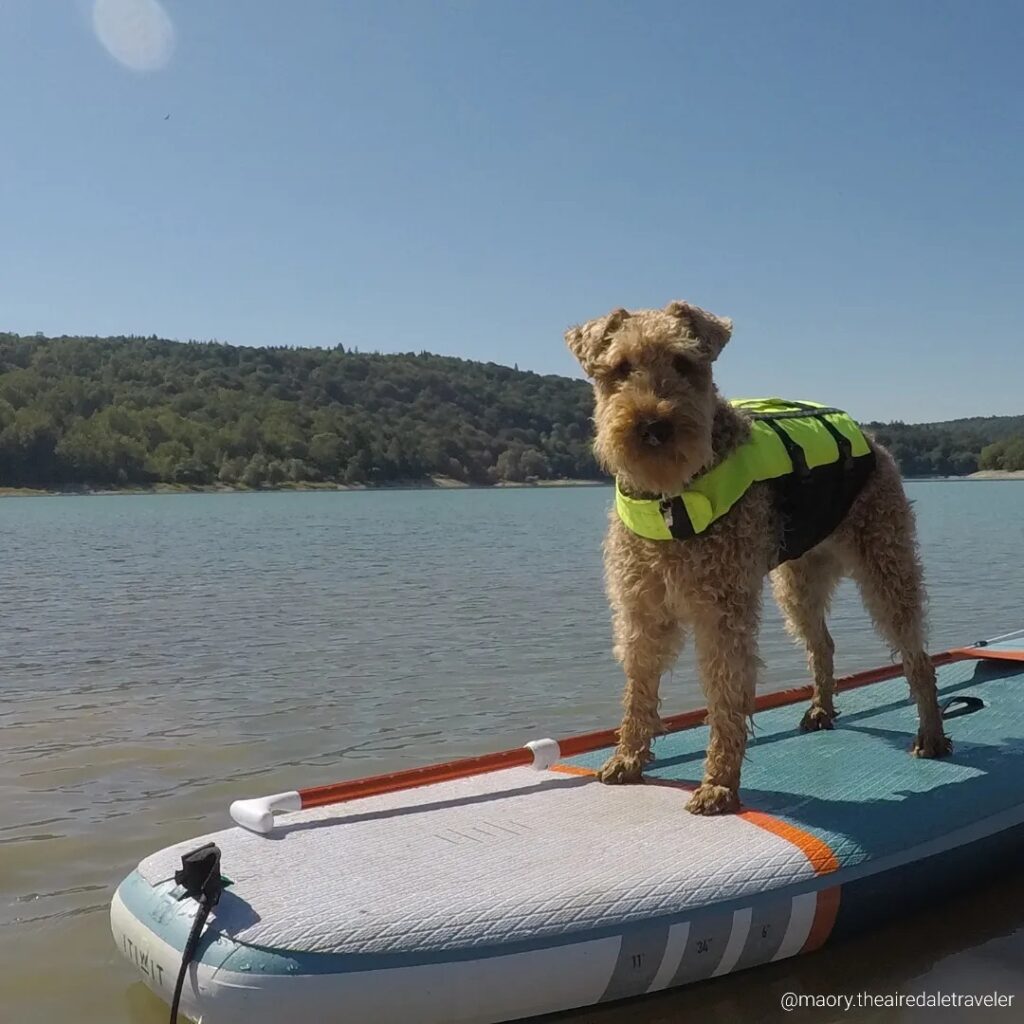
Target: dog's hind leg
647,640
880,546
803,589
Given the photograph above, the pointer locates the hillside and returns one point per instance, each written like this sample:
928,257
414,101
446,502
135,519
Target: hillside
954,447
135,411
122,412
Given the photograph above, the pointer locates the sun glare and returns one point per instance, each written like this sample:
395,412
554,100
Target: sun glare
137,33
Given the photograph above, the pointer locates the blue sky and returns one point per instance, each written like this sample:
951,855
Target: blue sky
843,179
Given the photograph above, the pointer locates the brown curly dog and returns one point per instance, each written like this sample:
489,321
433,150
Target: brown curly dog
660,422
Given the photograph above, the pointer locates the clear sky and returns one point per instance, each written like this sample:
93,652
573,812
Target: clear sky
846,180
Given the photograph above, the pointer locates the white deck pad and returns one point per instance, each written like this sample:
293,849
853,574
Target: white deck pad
500,858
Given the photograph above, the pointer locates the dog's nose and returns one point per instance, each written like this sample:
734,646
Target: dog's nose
655,432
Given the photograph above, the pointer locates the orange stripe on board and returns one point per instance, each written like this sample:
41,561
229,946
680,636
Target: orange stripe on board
820,855
571,769
824,918
816,850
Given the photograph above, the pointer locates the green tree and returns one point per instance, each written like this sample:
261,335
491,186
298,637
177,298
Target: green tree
357,470
300,472
992,455
166,459
7,414
276,473
509,467
1013,455
97,450
231,470
28,455
534,465
326,452
255,473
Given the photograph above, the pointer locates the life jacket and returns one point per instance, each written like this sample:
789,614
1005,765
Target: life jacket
816,458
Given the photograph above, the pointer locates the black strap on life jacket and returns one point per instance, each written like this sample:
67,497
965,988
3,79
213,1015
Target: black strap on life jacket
804,411
843,443
793,450
813,502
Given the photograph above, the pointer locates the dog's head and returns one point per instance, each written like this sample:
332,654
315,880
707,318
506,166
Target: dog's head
655,398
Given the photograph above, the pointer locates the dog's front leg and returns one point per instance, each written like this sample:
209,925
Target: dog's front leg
646,643
725,634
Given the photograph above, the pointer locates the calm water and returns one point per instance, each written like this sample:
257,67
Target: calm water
162,655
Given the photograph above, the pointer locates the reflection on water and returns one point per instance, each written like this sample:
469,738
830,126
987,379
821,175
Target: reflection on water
163,655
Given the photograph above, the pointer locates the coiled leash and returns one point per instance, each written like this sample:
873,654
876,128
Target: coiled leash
201,879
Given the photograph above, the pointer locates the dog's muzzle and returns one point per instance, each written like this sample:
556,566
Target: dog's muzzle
655,432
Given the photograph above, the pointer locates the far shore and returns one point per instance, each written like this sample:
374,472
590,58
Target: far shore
982,474
997,474
433,484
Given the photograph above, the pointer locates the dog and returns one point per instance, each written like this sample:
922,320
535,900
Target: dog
661,426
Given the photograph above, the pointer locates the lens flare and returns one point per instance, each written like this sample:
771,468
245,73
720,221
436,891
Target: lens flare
137,33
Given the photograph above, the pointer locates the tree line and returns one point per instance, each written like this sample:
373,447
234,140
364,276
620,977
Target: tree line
954,447
133,411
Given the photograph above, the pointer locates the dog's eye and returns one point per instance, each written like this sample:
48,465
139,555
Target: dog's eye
683,365
622,369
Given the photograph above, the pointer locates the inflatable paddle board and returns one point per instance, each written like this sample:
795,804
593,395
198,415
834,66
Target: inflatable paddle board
515,885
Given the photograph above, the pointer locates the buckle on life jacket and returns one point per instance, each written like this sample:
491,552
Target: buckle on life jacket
665,507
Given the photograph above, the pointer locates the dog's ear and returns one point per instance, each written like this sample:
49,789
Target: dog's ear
711,331
587,342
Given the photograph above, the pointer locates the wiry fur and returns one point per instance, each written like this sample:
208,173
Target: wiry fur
654,366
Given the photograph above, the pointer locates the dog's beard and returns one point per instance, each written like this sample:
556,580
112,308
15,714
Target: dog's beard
645,469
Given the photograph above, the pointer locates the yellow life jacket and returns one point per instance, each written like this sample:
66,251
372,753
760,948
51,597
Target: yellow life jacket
816,456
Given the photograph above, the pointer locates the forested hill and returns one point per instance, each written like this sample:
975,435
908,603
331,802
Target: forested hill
954,447
119,412
134,411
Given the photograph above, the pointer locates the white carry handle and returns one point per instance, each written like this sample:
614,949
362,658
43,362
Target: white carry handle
257,814
545,753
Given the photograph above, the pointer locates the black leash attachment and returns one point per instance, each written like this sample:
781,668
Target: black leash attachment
201,879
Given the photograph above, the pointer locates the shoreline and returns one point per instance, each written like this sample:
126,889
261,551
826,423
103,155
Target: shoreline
997,474
981,474
433,484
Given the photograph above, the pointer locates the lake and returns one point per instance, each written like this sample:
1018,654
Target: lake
162,655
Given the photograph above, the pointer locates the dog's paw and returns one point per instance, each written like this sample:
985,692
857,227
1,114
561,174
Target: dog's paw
709,799
622,769
817,718
932,745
